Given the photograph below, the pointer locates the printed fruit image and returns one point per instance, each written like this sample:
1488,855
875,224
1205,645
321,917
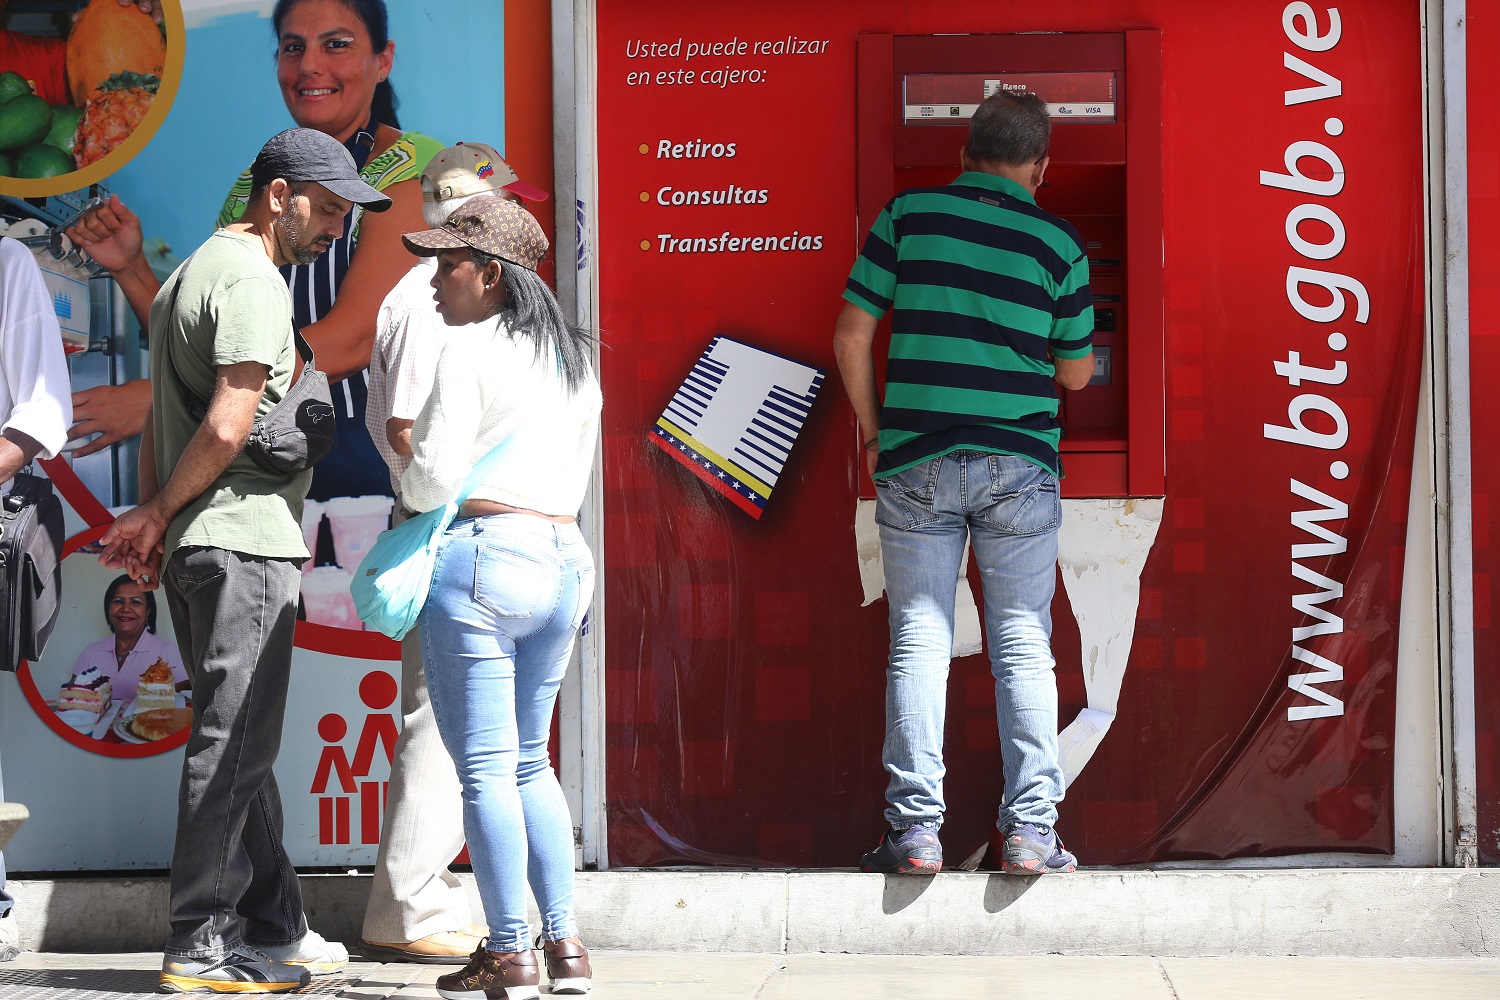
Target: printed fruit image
42,160
108,39
23,121
12,85
111,115
64,127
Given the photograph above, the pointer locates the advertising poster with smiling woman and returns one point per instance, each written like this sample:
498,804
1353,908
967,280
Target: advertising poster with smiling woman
155,109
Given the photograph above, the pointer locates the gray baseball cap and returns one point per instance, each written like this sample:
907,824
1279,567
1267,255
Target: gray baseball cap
304,154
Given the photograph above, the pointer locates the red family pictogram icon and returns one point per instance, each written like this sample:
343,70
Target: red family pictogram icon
350,780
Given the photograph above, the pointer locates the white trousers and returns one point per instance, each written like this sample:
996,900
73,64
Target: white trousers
414,894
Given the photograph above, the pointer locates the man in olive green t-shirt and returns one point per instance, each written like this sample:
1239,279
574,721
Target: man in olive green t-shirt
224,536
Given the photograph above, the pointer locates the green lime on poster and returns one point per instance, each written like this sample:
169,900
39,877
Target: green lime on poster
64,128
23,121
12,84
42,160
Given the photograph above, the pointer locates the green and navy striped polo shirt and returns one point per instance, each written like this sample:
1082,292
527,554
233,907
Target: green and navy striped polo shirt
984,286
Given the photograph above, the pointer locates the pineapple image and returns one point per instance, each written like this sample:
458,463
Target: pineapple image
112,113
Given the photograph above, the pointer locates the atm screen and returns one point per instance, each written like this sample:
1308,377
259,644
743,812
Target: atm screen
944,98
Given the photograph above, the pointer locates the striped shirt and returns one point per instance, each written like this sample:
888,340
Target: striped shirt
986,290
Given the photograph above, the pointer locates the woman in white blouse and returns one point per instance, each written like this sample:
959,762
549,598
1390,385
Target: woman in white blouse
513,577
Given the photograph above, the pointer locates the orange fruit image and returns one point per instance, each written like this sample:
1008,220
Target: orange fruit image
108,39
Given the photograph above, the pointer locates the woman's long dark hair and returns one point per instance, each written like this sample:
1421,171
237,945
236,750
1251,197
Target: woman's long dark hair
531,310
372,14
109,596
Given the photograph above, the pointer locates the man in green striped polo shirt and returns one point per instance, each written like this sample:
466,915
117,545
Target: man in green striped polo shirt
990,311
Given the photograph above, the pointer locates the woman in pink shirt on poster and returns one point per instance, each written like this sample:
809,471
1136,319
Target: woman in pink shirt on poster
130,613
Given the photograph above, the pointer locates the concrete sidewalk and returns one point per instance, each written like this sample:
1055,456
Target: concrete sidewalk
1340,913
643,976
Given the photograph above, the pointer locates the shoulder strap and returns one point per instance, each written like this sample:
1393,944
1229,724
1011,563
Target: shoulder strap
197,406
481,469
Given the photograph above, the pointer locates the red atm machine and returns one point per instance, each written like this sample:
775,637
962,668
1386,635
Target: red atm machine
916,95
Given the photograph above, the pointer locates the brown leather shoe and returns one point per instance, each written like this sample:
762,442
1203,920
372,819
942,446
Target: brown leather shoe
511,976
442,948
568,965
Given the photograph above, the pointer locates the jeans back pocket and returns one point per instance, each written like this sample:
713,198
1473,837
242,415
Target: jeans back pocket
1023,497
512,585
904,499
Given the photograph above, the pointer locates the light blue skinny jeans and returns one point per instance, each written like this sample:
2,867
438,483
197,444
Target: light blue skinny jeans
1010,509
509,592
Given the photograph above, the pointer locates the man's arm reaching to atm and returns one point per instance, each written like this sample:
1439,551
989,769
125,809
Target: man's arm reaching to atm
1074,373
853,341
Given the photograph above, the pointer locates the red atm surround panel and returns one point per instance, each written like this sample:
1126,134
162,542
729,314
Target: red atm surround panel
1105,178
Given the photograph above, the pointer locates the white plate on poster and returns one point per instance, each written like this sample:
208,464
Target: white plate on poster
102,728
79,719
122,728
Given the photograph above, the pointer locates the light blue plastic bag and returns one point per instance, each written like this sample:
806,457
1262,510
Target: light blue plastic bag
390,587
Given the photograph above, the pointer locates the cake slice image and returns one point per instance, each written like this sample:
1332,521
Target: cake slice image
86,691
155,689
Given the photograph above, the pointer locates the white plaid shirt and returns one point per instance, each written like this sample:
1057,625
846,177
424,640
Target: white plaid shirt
409,337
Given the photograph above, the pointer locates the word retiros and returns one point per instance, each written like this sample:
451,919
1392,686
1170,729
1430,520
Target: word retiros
694,149
1300,24
731,243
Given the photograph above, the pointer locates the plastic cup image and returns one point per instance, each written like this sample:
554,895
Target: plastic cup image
312,520
326,598
356,522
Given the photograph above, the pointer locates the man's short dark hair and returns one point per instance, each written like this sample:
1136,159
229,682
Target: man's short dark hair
294,188
1011,128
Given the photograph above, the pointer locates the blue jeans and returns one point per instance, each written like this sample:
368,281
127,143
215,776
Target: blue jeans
509,592
1010,509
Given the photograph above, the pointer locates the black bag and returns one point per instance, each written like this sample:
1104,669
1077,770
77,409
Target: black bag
31,545
298,431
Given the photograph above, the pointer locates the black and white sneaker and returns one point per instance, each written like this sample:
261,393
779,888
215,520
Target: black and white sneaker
243,970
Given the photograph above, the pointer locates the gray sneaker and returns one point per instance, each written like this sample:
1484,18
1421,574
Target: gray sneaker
313,953
243,970
1029,849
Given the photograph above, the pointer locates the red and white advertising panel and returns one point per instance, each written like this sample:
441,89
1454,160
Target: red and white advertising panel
183,110
1226,655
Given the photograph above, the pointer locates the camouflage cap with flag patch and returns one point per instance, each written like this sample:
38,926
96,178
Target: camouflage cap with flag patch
473,168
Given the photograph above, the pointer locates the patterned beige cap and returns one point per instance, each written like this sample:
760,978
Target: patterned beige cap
492,225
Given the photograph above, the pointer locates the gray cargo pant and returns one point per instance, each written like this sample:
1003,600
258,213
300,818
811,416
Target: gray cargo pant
235,615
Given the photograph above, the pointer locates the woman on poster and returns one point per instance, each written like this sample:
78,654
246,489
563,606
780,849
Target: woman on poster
133,645
333,65
513,576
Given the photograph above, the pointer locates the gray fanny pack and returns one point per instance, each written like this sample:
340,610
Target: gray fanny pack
297,432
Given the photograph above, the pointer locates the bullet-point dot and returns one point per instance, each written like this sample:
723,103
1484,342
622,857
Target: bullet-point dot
645,148
645,196
645,244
